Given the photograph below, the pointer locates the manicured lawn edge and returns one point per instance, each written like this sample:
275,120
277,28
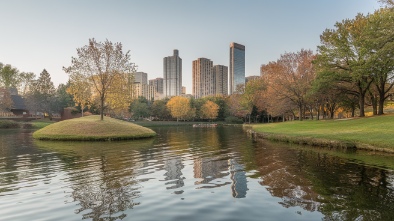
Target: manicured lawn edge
373,134
91,128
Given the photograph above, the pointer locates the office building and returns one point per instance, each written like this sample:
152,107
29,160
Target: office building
220,79
141,77
158,84
237,66
172,75
202,78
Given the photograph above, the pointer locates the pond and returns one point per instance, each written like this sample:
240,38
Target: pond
188,173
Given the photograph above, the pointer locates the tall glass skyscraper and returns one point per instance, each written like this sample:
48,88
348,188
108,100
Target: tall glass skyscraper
172,75
237,66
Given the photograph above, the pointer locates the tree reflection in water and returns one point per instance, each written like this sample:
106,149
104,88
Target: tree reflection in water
104,185
316,181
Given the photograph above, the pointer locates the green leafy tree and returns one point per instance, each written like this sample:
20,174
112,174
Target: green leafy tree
140,108
342,53
62,98
26,82
103,64
378,35
41,94
160,110
9,76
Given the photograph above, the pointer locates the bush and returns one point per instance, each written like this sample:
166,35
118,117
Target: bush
233,120
9,124
27,125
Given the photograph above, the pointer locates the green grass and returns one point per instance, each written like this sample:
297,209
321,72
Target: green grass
41,123
91,128
364,133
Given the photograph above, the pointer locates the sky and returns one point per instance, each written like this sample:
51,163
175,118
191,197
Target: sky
44,34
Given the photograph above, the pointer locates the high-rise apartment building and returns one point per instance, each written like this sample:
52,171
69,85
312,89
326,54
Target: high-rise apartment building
158,84
202,78
144,90
172,75
141,77
220,79
237,66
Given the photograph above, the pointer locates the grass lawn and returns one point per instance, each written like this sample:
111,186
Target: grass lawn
92,128
41,123
375,131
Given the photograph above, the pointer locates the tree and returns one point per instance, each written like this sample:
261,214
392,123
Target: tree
378,41
80,89
342,53
252,95
102,64
120,94
5,100
62,98
45,91
290,78
9,76
41,94
140,108
26,81
209,110
179,107
160,110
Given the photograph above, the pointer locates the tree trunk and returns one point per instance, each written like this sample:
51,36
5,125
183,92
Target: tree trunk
102,108
381,105
300,114
361,101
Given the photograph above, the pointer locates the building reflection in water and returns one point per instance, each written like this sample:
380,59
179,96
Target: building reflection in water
173,176
239,186
209,169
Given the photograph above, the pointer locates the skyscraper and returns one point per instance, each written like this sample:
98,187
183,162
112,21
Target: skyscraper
220,79
202,78
172,75
237,66
141,77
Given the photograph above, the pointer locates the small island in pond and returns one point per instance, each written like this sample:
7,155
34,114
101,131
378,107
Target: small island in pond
91,128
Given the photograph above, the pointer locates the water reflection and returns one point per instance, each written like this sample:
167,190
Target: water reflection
186,172
173,176
314,181
103,183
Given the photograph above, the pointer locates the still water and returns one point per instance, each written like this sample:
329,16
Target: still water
189,174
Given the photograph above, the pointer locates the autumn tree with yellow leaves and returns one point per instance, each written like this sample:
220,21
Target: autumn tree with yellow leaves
104,65
209,110
180,108
80,88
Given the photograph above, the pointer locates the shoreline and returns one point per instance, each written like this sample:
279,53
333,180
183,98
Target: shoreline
314,142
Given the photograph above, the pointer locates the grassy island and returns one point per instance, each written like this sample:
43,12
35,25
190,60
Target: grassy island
91,128
371,133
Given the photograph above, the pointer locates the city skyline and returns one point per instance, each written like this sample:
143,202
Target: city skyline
45,35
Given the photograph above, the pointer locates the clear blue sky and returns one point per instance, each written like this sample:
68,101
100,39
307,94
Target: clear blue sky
45,33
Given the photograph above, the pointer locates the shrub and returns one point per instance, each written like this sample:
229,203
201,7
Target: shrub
233,120
9,124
